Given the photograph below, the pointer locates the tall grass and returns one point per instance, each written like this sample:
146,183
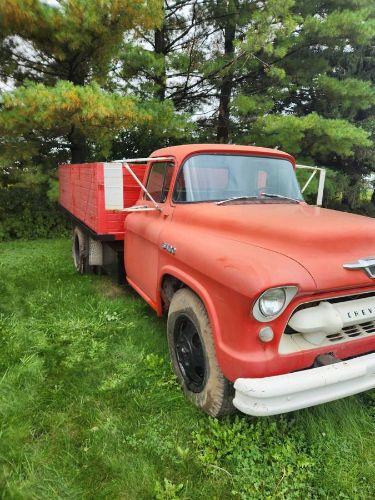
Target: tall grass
89,407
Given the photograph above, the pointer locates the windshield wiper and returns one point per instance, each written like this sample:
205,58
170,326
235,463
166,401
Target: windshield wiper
235,198
280,196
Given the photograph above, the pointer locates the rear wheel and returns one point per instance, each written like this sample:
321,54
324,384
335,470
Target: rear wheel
80,251
193,355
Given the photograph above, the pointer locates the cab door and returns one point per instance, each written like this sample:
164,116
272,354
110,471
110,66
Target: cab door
144,232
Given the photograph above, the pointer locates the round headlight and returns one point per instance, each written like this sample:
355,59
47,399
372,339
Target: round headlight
272,301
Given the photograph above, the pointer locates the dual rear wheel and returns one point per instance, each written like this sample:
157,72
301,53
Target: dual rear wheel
80,251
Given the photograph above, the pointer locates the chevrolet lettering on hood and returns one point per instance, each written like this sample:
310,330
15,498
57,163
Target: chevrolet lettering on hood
366,264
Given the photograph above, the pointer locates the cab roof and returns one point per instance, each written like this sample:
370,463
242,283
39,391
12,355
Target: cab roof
181,152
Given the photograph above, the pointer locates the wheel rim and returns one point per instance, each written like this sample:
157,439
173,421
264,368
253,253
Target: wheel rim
76,252
189,353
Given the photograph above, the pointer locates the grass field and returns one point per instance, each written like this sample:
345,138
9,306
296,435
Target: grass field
89,407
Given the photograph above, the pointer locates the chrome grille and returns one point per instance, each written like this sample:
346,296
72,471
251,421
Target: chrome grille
352,331
294,341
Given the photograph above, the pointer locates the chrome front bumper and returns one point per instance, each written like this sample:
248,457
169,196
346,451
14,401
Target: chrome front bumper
294,391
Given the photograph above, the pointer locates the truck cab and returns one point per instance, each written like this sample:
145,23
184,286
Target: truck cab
270,301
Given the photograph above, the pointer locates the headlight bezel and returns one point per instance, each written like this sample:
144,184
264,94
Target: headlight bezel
290,292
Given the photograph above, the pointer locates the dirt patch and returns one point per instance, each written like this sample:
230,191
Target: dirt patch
109,289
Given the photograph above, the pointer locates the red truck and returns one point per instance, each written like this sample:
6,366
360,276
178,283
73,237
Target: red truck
270,301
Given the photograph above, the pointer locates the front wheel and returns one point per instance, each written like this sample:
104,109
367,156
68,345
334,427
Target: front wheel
193,355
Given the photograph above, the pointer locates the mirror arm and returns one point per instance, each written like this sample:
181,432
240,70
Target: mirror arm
140,184
140,208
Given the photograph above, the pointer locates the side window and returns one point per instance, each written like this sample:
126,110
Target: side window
159,181
179,194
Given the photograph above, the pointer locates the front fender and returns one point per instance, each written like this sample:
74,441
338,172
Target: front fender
228,285
245,268
198,286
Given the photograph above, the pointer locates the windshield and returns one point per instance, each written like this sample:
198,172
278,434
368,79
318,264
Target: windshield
215,177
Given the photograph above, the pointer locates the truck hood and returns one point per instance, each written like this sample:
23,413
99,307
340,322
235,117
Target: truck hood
320,240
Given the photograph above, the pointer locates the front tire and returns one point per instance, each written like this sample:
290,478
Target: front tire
193,355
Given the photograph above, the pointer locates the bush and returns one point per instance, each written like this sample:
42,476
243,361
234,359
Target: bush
341,192
28,213
367,209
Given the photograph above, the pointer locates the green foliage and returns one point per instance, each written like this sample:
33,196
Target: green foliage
251,105
88,80
90,408
345,97
269,27
36,110
341,25
60,57
168,490
310,134
28,213
335,184
79,37
276,462
313,70
164,122
340,192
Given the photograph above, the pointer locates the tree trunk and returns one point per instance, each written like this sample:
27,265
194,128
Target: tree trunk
78,146
161,50
226,87
352,192
77,140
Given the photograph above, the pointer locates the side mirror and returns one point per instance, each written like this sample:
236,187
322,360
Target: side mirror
142,208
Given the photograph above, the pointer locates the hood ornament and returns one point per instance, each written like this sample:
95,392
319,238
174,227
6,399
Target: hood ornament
367,264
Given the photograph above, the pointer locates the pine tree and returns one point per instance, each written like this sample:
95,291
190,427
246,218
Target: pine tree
300,96
281,73
269,65
165,62
59,57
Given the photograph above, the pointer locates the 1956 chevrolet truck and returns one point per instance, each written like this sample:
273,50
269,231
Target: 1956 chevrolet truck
270,301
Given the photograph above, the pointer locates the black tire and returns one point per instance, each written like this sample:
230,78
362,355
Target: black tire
80,251
192,351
